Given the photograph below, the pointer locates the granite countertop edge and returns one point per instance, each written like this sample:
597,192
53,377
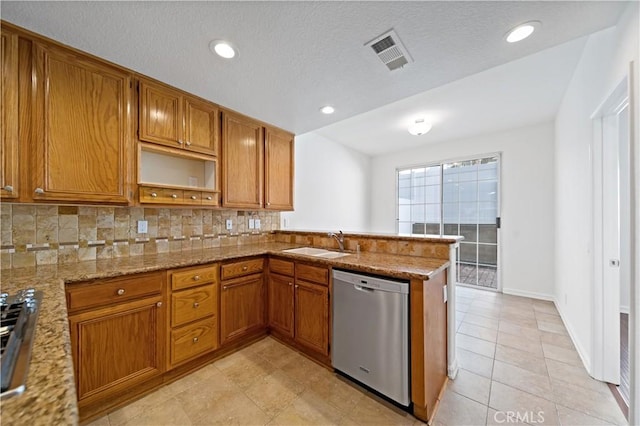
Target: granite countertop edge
50,396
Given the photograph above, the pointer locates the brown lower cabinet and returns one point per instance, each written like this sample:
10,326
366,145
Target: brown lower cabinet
117,339
125,341
242,299
300,311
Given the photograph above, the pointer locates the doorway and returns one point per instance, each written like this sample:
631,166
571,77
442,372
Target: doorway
460,197
612,240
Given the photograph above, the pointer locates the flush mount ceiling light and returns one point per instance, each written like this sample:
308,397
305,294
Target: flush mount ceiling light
419,127
223,49
327,109
522,31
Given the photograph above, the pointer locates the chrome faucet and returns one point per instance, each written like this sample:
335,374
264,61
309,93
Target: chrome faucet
339,238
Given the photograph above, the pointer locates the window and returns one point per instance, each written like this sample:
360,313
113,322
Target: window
455,198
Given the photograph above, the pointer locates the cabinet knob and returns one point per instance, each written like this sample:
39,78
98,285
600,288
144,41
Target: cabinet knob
195,340
8,188
196,304
297,286
193,197
39,191
188,143
196,277
290,284
224,287
268,204
179,142
244,268
120,291
174,196
209,198
159,304
154,194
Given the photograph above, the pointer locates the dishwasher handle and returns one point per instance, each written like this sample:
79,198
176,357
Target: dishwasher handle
362,288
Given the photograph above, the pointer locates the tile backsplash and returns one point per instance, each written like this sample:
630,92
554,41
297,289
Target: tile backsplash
48,234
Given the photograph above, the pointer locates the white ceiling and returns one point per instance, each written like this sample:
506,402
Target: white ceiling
525,91
297,56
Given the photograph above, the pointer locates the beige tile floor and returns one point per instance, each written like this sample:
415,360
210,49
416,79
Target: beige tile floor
516,360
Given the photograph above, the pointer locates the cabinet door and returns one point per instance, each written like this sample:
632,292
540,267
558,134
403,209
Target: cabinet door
160,115
241,307
281,304
312,316
242,162
117,347
82,128
9,147
201,126
278,170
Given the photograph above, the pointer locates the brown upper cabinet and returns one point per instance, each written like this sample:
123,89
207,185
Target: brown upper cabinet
242,161
9,149
81,128
256,160
278,169
171,118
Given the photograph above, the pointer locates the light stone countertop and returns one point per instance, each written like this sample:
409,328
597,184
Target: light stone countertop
50,397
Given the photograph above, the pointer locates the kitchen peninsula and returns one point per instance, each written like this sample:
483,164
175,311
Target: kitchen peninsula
50,397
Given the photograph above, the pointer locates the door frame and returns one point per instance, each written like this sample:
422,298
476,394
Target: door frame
605,362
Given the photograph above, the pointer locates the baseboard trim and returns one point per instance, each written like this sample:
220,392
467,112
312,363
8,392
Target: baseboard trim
584,355
530,294
453,369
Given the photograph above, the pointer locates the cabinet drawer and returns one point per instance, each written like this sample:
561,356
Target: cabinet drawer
113,290
192,197
316,274
244,267
210,198
196,303
191,277
279,266
149,194
192,340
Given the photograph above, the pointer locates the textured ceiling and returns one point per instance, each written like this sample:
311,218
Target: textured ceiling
522,92
297,56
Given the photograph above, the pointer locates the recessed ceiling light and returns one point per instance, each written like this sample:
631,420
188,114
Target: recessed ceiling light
222,48
419,127
328,109
522,31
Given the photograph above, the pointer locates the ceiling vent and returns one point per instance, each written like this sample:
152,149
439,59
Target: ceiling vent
390,50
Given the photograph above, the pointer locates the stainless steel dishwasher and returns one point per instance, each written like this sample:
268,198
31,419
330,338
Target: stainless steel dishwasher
370,339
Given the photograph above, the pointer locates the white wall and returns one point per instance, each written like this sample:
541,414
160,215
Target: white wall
526,199
331,187
604,63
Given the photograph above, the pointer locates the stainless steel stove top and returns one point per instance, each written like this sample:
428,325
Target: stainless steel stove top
18,317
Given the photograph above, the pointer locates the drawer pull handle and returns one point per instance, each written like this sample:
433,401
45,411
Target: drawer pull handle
39,191
196,277
196,304
120,291
195,340
154,194
8,188
209,198
174,196
159,304
244,268
193,197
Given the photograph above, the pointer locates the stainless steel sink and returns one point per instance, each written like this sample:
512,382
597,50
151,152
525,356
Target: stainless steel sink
316,252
